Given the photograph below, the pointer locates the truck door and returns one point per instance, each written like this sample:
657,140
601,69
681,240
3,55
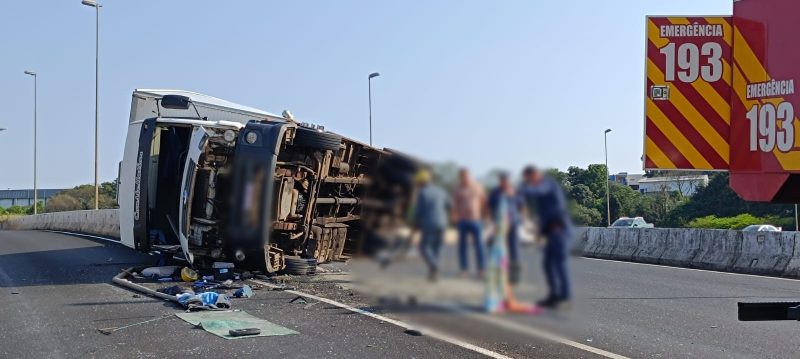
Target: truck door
196,147
141,238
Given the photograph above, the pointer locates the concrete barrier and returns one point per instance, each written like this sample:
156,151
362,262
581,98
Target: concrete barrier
792,268
765,253
104,222
718,249
680,247
652,245
626,244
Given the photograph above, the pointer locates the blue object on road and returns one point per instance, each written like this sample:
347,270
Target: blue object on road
243,292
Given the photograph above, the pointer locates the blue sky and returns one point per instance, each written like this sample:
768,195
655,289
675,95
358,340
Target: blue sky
487,84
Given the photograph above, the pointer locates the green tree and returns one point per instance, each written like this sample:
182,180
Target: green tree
82,198
624,201
718,199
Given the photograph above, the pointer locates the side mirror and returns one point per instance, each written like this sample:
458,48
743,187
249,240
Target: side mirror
175,102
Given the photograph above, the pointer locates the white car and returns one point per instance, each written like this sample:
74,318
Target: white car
636,222
761,228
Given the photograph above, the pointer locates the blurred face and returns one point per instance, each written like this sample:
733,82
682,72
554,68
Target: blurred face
533,177
463,176
505,183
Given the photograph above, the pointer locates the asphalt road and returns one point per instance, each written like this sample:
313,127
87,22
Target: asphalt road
56,292
629,309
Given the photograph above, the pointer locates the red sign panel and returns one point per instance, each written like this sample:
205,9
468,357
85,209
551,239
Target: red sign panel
765,143
687,110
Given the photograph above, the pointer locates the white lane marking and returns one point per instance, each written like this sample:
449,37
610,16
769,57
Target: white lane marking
534,332
85,235
691,269
432,334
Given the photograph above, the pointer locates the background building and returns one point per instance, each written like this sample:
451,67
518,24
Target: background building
627,179
686,185
24,197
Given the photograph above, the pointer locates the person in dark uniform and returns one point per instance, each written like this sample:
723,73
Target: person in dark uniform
555,225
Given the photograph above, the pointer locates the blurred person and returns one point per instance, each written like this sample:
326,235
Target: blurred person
505,192
469,203
499,294
555,225
431,219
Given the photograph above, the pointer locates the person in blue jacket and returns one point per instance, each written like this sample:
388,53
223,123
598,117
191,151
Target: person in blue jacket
431,219
550,204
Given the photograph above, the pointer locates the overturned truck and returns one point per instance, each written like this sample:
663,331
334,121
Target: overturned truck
223,182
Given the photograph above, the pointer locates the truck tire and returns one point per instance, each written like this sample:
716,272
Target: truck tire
315,139
300,266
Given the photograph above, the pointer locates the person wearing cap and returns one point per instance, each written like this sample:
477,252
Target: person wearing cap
431,219
469,205
555,225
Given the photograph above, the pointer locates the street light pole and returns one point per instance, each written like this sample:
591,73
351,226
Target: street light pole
35,189
369,85
608,194
97,7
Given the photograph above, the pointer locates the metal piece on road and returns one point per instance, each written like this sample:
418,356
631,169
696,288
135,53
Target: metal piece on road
109,331
120,280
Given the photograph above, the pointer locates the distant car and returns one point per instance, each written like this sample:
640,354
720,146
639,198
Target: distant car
761,228
636,222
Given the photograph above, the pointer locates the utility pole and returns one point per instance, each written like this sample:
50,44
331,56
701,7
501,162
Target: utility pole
608,194
35,95
96,6
369,86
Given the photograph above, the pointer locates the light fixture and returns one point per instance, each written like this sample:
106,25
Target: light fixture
251,137
229,135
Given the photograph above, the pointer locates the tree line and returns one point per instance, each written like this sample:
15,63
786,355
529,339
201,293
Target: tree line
74,199
714,205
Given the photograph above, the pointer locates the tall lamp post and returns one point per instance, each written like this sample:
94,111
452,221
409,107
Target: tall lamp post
608,194
369,85
97,7
35,190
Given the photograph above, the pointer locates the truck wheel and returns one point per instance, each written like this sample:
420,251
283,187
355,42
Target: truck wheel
315,139
300,266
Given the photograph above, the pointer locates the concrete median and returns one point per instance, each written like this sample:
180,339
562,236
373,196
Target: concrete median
765,253
104,222
718,249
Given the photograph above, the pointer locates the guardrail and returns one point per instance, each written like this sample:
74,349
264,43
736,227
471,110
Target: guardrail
765,253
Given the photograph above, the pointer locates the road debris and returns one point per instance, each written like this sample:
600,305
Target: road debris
111,330
223,323
188,275
413,332
299,299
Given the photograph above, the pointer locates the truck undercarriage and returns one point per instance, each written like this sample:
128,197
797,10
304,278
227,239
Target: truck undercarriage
261,191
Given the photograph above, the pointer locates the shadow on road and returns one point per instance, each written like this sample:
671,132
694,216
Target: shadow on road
30,258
